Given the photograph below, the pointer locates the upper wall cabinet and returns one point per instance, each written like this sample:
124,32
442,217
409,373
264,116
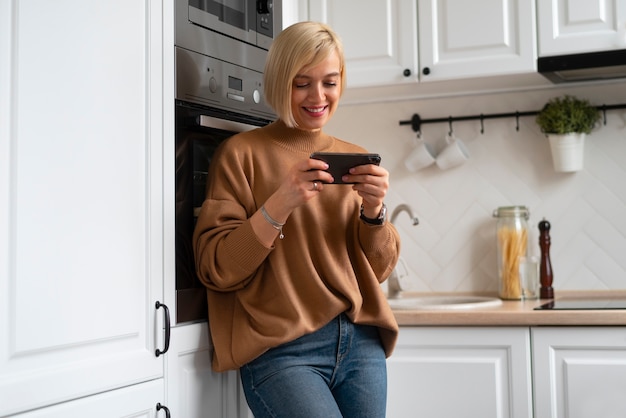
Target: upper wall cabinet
466,39
572,26
457,39
379,37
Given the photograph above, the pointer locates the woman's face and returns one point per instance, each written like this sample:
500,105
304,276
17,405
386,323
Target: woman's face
315,94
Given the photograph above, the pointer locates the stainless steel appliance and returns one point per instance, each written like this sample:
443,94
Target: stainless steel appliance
221,48
602,65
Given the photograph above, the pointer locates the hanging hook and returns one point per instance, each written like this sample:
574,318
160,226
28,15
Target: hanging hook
450,132
482,123
604,113
517,121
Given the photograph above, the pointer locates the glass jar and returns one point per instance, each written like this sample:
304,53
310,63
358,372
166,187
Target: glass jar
512,241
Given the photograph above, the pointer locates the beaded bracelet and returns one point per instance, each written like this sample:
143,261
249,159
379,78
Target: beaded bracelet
275,224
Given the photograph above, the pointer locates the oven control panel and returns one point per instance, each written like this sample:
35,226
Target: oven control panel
207,81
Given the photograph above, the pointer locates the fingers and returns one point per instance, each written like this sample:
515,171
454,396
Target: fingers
371,183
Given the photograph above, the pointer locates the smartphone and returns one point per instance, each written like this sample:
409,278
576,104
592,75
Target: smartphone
340,163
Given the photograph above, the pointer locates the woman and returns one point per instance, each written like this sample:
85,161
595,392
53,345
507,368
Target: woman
292,263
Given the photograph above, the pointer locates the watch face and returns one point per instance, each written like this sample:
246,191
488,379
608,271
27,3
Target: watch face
383,213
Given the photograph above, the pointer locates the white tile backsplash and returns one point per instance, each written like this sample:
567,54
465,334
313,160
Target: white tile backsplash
454,247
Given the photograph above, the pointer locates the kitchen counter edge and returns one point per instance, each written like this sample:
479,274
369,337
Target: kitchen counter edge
517,313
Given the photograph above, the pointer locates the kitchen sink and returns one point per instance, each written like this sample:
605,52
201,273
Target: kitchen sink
445,302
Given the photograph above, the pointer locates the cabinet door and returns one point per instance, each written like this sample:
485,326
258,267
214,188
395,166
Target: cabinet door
460,372
80,198
134,401
379,38
462,39
194,390
571,26
294,11
579,372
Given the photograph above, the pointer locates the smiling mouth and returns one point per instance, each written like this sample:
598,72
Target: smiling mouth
315,109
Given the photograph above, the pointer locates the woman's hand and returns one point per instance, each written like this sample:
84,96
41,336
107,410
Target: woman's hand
371,183
302,183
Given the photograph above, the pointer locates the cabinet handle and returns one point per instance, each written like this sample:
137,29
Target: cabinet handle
426,71
167,330
163,407
406,72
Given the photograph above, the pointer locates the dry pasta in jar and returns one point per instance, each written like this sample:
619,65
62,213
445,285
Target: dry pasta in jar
512,245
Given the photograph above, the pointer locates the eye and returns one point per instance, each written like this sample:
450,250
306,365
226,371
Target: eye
301,85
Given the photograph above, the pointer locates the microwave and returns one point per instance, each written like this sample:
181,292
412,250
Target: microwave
236,31
250,21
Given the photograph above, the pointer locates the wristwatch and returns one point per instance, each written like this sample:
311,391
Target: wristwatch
375,221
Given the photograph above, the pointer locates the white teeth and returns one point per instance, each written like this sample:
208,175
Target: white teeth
315,109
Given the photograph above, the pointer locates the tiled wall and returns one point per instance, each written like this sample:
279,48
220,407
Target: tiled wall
454,246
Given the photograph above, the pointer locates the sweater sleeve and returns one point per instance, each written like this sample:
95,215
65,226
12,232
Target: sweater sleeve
227,251
381,245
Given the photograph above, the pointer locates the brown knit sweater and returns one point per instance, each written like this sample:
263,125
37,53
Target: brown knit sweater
329,261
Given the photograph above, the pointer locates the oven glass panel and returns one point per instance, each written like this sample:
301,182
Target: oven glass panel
195,147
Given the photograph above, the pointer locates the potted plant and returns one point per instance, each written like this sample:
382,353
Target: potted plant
566,121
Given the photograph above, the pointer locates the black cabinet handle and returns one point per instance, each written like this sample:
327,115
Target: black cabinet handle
167,330
406,72
426,71
163,407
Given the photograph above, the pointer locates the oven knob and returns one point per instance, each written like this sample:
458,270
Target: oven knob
212,84
256,96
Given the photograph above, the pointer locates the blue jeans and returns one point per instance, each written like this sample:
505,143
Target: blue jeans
337,371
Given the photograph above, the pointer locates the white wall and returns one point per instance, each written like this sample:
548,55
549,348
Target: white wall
453,248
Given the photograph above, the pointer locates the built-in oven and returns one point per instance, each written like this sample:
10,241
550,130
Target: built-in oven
219,92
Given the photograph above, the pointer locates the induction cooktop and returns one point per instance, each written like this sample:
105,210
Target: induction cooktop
584,304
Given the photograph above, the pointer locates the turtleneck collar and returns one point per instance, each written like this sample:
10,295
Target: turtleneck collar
298,140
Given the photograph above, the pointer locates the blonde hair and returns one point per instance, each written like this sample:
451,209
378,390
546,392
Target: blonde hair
300,46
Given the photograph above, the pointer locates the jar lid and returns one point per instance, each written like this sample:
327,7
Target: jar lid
512,212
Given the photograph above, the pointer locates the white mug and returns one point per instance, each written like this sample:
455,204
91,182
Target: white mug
454,154
420,157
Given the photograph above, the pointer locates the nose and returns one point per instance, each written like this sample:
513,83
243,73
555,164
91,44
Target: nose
317,92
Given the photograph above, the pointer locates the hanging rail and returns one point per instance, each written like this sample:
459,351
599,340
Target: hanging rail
416,121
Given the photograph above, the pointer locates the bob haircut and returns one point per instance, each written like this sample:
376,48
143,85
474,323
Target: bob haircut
300,46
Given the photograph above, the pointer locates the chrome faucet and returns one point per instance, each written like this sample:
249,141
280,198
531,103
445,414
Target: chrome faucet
404,208
393,281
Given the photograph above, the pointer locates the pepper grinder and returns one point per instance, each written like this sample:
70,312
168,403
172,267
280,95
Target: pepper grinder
545,269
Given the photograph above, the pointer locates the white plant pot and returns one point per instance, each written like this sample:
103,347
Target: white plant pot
568,151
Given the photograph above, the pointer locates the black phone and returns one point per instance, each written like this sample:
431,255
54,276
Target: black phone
340,163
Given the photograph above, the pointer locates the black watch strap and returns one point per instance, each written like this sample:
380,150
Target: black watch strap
375,221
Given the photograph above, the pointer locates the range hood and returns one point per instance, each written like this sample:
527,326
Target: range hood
602,65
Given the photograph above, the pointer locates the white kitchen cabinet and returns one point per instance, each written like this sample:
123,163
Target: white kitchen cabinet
379,38
81,205
460,372
134,401
457,39
573,26
294,11
193,389
579,372
466,39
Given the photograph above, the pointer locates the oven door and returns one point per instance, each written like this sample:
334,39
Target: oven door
199,131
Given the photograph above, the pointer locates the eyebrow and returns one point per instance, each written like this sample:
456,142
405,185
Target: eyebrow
334,74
